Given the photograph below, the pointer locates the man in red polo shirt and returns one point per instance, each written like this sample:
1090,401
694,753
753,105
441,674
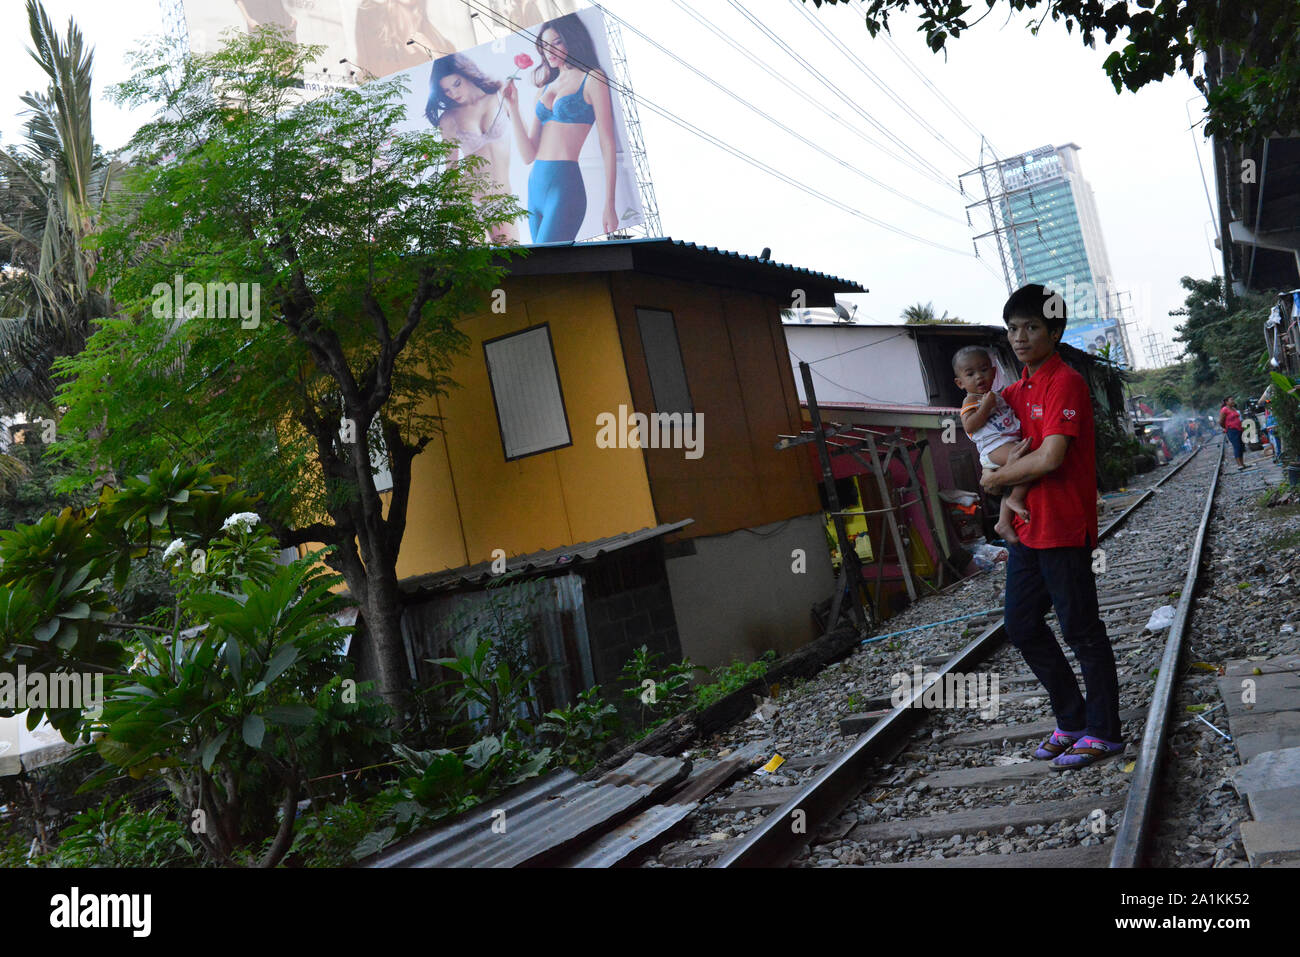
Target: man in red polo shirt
1052,564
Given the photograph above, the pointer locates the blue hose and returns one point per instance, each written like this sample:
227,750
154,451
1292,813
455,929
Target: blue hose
894,634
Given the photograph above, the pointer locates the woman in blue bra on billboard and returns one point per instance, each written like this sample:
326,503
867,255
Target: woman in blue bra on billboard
574,97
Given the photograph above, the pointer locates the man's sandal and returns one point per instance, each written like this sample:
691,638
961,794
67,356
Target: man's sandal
1087,750
1056,744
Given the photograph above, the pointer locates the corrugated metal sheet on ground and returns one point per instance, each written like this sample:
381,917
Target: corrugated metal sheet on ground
654,822
536,561
538,819
623,840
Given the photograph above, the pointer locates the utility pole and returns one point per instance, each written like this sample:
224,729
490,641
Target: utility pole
1002,218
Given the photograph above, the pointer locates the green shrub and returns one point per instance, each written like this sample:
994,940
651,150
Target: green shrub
729,678
441,783
115,834
327,837
1286,409
13,849
583,730
660,691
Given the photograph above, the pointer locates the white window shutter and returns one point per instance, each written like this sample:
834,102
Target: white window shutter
526,389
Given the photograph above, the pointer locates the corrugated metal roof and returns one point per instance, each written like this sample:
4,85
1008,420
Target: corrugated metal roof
537,820
706,251
547,560
882,407
922,328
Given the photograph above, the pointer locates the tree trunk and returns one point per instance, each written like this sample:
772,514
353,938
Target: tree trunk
387,652
284,836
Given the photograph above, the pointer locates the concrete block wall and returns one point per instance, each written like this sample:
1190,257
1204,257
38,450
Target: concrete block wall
629,604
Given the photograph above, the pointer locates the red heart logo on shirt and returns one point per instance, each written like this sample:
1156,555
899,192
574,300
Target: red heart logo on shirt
1068,413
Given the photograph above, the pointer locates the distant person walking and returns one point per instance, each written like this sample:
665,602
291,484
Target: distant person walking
1270,428
1230,422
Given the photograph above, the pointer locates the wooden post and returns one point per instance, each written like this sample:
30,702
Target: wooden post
904,559
927,512
850,568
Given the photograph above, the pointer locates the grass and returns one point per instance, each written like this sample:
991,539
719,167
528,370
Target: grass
1283,539
1267,498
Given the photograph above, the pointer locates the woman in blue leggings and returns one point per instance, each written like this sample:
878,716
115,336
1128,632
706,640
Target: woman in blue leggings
574,96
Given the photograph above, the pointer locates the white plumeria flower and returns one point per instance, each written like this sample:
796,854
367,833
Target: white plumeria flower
243,521
174,552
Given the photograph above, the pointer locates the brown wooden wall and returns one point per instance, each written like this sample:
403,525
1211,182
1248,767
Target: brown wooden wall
738,371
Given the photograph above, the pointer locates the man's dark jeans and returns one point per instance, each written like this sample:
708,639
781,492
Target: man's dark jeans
1061,578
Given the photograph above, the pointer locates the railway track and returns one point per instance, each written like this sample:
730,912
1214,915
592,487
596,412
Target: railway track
925,770
928,785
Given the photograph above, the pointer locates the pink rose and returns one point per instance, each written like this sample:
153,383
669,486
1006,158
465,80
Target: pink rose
523,61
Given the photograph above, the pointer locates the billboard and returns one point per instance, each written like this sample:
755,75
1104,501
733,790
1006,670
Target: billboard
533,103
1031,168
535,106
372,35
1093,337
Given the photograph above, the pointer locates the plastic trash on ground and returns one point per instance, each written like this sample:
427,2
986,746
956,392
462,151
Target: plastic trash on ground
772,765
986,556
1161,618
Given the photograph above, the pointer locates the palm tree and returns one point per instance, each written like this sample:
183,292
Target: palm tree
52,192
12,471
920,314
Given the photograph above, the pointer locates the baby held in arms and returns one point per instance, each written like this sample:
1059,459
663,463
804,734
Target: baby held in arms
992,426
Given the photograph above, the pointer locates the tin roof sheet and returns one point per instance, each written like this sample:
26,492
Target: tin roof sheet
538,819
547,560
703,255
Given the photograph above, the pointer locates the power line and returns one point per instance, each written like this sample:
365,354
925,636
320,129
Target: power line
869,345
774,121
801,93
939,94
931,170
920,74
952,107
871,75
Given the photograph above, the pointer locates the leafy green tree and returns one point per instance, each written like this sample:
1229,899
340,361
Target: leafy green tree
332,255
59,576
54,190
1260,97
1286,409
28,489
1225,345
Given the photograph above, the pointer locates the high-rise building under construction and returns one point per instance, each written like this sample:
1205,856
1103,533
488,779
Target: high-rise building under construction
1048,231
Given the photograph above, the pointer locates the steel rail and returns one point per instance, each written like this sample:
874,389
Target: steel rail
1135,828
777,840
1118,520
